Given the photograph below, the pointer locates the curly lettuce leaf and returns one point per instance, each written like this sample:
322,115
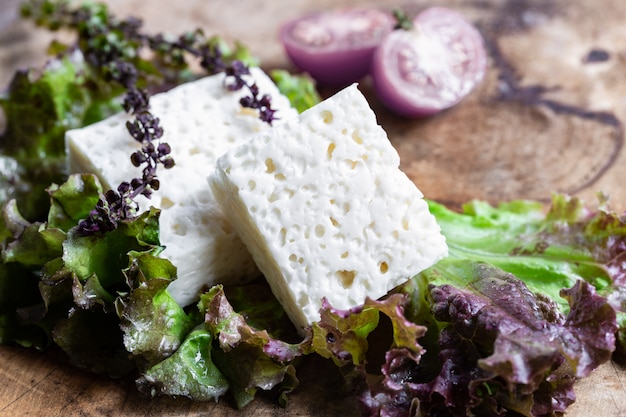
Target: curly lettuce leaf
153,324
110,288
36,133
223,353
26,247
40,106
361,340
189,372
96,267
342,335
256,302
105,255
60,287
31,244
547,250
72,201
503,347
249,358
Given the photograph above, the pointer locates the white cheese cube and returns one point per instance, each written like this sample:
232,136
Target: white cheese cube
324,209
201,121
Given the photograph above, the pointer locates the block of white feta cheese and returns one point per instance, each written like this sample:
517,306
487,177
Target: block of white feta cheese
324,209
201,121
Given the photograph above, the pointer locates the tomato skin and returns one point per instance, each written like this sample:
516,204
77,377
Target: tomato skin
430,68
336,47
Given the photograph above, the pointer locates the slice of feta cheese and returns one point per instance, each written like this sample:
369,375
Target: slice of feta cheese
201,121
324,209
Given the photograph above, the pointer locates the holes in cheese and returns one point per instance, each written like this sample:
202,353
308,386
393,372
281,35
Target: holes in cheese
346,278
330,150
350,224
271,168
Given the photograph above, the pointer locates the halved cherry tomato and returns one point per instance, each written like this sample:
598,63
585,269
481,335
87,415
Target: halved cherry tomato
431,67
336,47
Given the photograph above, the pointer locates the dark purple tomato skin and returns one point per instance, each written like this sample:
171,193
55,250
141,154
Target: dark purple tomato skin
336,47
420,72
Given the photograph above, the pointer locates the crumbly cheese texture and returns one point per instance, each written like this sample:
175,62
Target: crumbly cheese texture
324,209
201,121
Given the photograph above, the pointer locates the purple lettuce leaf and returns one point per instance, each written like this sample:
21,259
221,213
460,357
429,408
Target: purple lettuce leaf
466,338
360,339
249,358
505,349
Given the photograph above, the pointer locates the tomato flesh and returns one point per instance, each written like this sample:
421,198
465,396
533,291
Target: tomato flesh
336,47
430,68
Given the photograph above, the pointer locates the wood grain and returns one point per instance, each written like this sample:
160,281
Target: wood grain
545,120
38,384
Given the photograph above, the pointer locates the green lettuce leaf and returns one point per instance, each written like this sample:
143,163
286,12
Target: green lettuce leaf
300,89
153,324
32,244
26,248
72,201
105,256
549,250
189,372
224,352
63,288
40,106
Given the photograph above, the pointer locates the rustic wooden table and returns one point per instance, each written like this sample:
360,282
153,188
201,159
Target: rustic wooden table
544,120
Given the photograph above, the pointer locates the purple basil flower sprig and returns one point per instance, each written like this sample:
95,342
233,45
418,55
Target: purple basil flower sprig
112,47
212,60
120,204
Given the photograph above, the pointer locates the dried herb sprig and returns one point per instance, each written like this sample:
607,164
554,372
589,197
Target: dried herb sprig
113,48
